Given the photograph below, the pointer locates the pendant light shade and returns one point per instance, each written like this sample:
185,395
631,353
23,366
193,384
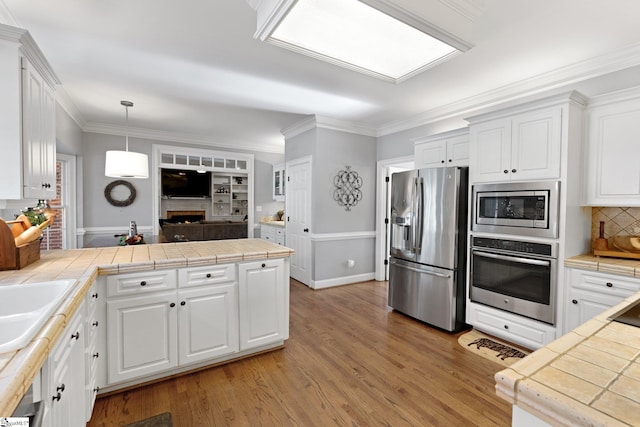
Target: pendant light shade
126,164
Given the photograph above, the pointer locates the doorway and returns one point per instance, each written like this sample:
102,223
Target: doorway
298,217
383,176
61,234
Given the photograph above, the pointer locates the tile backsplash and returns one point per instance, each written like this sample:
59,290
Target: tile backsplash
617,222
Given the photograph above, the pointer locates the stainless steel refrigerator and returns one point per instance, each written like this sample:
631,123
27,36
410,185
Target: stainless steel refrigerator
427,265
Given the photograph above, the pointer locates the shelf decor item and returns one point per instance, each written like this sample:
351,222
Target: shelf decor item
347,192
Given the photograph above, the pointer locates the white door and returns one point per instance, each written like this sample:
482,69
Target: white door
298,213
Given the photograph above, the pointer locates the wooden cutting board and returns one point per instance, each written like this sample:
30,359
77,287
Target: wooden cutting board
617,254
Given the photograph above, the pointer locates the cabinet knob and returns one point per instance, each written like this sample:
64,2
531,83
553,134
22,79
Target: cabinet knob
264,265
441,161
208,275
306,230
97,389
506,326
506,171
183,302
574,301
94,295
57,397
75,336
609,285
143,283
513,171
60,388
96,355
450,160
95,323
173,304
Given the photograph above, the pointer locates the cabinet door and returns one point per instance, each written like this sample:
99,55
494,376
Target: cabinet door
613,151
278,182
431,154
535,145
32,130
48,143
208,325
490,157
262,303
458,151
584,305
66,391
141,335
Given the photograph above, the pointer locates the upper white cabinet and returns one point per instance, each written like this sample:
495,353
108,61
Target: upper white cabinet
278,182
517,147
27,118
444,149
613,152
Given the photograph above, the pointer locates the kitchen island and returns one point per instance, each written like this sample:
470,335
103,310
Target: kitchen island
588,377
18,369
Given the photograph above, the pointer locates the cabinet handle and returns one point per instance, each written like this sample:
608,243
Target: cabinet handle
208,275
57,397
506,326
609,285
574,301
76,336
95,323
173,304
94,295
96,355
506,171
513,171
60,388
143,283
183,302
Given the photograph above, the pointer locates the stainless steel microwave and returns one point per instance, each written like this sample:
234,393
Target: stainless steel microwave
517,208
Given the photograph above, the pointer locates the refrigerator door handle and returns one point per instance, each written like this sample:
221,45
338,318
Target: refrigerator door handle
418,223
418,270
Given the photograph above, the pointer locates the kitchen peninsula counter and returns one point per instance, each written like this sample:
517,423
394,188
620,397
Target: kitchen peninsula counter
588,377
19,368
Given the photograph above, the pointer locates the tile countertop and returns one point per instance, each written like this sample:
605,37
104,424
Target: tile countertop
588,377
19,368
272,222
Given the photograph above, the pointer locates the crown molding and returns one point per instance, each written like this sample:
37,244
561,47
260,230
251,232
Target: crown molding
632,93
316,121
106,129
574,73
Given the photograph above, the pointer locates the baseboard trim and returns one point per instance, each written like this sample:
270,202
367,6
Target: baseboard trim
344,280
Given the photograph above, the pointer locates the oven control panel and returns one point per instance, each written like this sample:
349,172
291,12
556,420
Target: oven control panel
514,246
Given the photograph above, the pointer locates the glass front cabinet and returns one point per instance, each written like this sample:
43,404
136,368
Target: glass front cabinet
279,179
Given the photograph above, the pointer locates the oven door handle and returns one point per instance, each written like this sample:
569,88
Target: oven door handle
512,258
419,270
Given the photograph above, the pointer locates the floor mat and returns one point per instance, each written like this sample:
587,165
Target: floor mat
491,348
162,420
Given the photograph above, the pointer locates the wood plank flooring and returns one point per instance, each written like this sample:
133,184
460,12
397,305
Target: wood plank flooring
350,360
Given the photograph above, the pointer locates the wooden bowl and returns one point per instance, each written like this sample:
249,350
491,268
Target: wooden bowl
627,243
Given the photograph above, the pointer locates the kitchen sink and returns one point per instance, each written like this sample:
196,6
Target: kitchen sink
25,308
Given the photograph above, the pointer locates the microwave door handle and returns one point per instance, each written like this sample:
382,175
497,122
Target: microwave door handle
514,259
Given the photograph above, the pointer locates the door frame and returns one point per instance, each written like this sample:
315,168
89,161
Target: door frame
382,212
69,199
295,162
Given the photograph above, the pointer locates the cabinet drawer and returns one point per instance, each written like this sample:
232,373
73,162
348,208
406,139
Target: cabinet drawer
606,284
528,333
137,283
208,275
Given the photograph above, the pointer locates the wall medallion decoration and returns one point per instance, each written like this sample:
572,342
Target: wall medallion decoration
347,192
108,193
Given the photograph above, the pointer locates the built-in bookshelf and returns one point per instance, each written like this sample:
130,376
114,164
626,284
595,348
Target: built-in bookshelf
230,195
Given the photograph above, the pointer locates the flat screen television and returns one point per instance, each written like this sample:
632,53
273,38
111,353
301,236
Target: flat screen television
185,183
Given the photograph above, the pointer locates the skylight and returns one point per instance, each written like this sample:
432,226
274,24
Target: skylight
355,35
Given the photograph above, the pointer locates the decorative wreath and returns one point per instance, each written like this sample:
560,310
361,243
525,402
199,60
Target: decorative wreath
120,203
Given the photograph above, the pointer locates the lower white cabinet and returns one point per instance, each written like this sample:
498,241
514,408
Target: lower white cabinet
589,293
263,306
273,233
517,329
64,377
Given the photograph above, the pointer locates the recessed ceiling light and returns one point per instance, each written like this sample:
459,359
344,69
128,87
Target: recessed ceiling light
360,37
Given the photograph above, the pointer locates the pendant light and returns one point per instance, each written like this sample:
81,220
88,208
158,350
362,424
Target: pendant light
126,164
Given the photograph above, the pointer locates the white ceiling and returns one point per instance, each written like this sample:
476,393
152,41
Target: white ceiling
195,73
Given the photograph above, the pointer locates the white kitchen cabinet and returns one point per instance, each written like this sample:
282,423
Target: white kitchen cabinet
613,170
441,150
95,346
27,115
64,377
520,330
263,306
589,293
279,179
273,233
164,319
524,146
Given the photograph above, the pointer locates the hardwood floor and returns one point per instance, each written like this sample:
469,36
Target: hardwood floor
350,360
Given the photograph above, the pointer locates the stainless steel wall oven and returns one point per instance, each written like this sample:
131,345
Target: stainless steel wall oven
516,276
